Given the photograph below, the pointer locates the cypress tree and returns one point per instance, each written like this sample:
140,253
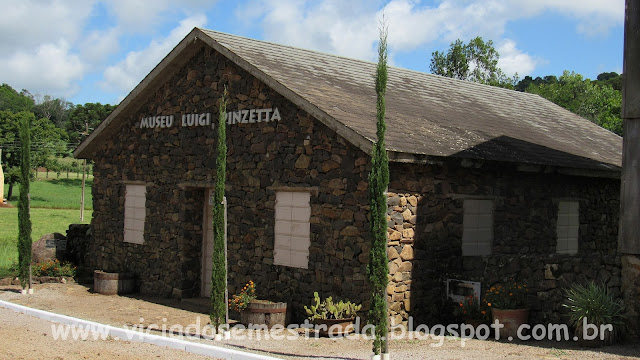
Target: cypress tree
24,218
378,182
219,270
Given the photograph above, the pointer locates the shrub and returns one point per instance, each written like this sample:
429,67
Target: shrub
247,294
594,303
509,295
327,309
471,308
54,268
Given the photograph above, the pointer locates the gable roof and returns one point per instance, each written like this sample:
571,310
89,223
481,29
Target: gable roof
428,116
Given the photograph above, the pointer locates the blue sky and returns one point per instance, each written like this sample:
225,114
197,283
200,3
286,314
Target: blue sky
98,51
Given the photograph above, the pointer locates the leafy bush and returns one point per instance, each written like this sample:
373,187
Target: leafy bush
470,308
593,303
53,268
507,296
327,309
247,294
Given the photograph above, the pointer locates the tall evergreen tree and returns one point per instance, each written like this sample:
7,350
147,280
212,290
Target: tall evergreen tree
219,271
24,219
378,182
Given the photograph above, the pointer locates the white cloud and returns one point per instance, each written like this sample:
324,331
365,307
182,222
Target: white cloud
126,74
37,44
513,60
99,44
146,16
350,28
50,69
29,23
330,26
137,15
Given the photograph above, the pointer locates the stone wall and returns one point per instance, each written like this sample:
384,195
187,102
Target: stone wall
425,235
78,239
178,163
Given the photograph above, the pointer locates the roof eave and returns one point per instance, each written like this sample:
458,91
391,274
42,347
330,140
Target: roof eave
608,171
167,67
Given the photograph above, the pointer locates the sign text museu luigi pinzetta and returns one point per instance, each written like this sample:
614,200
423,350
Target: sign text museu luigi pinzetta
248,116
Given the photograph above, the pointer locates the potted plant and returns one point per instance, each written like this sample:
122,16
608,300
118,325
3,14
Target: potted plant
471,311
508,304
255,312
332,318
593,305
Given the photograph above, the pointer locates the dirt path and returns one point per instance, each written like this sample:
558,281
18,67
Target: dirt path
78,301
26,337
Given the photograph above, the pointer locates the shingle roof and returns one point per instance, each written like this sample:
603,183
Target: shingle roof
427,115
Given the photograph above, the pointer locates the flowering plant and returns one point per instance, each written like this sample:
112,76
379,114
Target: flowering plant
247,294
54,268
507,296
470,308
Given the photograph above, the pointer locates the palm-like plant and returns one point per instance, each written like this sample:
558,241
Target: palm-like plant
595,304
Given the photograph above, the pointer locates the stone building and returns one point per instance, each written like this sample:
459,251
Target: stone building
486,183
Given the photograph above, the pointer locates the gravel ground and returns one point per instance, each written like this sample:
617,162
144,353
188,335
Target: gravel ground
26,337
79,301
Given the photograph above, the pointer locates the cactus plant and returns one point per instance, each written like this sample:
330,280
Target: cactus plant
327,309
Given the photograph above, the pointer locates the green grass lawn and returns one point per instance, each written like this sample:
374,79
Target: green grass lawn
44,221
56,193
54,205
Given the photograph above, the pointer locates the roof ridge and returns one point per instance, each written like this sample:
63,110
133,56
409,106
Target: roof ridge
396,68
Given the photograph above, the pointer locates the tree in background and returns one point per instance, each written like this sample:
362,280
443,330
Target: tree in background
55,110
476,61
596,101
219,270
378,183
24,219
80,116
11,100
46,141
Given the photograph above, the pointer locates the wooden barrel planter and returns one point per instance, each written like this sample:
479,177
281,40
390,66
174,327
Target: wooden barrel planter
108,283
261,312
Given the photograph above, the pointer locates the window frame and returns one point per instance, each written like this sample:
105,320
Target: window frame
292,228
135,209
568,227
475,211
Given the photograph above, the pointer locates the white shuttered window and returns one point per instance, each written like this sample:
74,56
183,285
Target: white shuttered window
568,225
292,229
477,235
134,213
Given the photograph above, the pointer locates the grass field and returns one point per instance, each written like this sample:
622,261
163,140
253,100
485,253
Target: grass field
54,205
57,193
44,221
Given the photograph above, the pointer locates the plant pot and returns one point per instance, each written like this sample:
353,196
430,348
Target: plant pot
264,313
108,283
334,327
474,322
511,319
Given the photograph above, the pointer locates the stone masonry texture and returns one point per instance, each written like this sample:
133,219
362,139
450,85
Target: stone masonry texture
425,208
